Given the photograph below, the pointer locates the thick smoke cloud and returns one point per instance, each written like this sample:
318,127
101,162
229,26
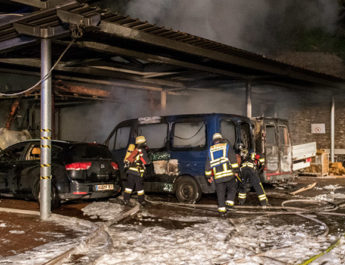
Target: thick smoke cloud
262,26
257,25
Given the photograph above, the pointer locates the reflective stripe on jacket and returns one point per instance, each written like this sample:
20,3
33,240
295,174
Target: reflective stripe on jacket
137,167
220,162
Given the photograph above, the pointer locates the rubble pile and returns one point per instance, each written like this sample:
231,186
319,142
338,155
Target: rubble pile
9,137
337,169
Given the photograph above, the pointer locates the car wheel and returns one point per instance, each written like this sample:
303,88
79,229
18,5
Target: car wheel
55,200
187,190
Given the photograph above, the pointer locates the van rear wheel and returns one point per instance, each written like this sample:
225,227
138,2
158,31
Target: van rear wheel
187,190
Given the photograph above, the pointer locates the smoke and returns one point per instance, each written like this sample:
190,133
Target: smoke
256,25
94,122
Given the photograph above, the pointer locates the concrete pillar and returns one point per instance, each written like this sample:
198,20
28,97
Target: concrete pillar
163,100
249,99
46,117
332,128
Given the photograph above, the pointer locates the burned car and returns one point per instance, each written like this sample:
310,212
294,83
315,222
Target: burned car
79,171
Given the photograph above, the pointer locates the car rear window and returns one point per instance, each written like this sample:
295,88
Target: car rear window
79,152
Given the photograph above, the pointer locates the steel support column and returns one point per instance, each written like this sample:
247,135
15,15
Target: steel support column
249,98
332,128
46,98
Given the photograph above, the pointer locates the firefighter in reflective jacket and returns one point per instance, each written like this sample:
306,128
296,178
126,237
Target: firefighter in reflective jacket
136,160
251,164
221,166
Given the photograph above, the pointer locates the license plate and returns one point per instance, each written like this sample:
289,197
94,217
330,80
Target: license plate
105,187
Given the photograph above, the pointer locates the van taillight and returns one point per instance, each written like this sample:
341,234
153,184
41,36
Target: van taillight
78,166
114,165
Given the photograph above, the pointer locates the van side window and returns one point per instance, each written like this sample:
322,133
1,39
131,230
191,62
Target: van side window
155,134
122,137
189,134
270,135
245,135
227,129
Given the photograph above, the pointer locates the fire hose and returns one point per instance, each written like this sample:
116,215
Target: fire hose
279,210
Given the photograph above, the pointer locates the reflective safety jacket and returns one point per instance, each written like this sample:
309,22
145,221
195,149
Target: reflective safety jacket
221,163
253,160
136,161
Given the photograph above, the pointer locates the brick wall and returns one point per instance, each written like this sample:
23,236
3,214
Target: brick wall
300,125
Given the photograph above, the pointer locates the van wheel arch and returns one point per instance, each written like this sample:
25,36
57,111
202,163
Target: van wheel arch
187,189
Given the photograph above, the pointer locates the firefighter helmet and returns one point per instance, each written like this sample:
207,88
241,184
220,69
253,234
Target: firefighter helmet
217,136
140,140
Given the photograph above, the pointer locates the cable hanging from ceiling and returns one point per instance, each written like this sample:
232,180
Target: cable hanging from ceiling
43,78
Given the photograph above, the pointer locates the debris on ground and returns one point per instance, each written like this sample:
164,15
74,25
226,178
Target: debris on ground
310,186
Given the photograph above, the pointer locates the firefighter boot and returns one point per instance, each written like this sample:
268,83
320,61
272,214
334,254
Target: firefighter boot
242,198
263,200
229,205
222,212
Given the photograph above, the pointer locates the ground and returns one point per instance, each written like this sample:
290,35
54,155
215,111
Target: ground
166,233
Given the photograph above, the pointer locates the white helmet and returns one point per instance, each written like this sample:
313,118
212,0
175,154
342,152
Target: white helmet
217,136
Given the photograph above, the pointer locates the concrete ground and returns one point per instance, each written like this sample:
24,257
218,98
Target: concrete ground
22,232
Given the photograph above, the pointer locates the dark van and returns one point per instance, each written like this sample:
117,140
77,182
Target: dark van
178,148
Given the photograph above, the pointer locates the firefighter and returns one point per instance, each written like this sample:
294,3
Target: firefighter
251,164
221,166
136,160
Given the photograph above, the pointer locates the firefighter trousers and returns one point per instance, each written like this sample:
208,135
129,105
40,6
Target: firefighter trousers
134,183
250,178
226,192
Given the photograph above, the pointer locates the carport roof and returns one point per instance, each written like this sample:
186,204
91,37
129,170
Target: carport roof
123,51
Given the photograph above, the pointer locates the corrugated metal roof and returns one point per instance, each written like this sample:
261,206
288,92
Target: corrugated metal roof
171,39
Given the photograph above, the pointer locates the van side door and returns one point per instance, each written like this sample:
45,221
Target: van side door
284,148
118,144
271,148
160,171
189,145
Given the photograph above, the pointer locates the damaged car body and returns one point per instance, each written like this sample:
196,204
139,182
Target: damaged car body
79,171
178,149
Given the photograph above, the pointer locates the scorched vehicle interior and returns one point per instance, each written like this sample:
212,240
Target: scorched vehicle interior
79,171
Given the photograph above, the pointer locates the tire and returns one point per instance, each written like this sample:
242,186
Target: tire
55,200
187,190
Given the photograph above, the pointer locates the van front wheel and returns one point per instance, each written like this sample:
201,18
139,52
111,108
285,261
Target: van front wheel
187,190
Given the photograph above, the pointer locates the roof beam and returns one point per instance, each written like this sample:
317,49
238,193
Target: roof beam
105,48
38,31
42,4
240,58
100,73
109,82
